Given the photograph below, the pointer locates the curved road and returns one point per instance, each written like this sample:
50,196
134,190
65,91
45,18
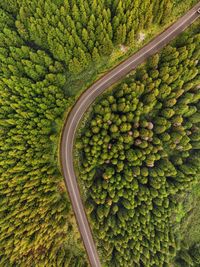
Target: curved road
86,99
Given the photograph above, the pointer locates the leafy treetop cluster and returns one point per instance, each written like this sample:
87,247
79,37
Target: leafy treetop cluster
139,150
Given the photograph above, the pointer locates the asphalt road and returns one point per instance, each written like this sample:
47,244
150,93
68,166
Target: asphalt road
86,99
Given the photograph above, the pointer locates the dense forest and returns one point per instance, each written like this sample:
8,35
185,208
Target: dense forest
37,227
139,150
41,43
78,32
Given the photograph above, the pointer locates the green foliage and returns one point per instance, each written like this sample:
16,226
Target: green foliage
188,257
140,150
41,43
188,222
79,32
36,222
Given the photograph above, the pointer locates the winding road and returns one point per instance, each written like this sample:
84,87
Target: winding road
83,103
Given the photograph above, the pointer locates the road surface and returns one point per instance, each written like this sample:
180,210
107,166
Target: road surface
86,99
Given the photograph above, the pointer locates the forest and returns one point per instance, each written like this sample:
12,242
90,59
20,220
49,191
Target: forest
140,150
42,43
77,32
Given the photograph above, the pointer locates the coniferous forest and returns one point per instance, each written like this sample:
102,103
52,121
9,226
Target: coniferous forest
76,32
42,43
139,150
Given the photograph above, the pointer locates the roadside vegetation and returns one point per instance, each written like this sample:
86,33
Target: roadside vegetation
139,152
48,49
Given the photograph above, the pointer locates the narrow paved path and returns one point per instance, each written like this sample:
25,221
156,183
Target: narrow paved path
86,99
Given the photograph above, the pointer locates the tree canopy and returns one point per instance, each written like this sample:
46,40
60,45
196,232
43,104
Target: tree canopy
139,150
42,44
